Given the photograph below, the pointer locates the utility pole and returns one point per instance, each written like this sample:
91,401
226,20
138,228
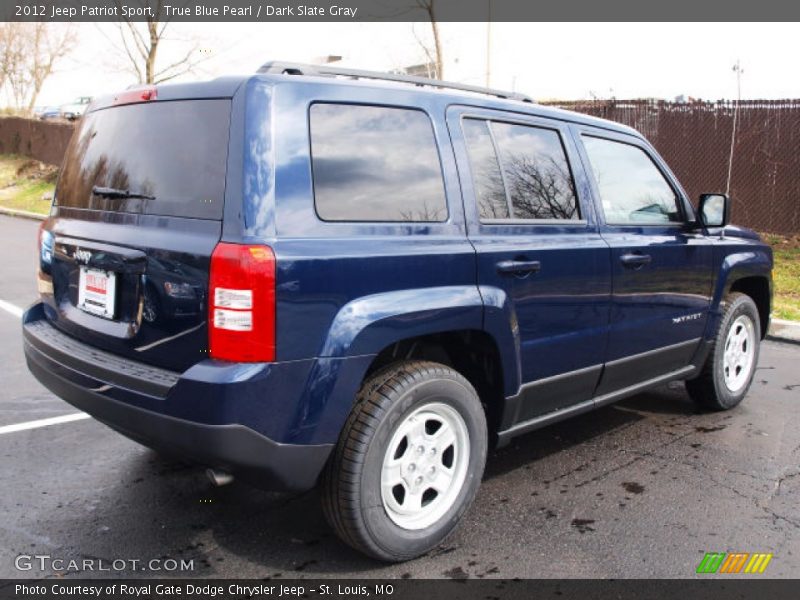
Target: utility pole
737,68
489,46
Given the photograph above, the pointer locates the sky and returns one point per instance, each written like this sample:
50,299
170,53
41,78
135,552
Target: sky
566,61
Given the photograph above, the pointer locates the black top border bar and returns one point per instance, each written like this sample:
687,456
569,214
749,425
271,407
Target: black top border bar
401,10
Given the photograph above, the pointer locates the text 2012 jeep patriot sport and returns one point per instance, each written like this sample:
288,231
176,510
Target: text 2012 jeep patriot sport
311,275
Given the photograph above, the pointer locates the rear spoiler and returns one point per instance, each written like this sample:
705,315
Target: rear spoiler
223,87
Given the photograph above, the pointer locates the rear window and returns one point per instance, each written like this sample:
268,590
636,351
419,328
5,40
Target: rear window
173,154
374,163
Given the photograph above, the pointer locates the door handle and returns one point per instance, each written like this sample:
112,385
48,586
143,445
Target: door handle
635,260
517,267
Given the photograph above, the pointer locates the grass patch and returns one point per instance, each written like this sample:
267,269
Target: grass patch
26,184
786,275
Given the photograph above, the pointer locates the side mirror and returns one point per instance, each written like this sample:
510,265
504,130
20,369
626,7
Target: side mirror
715,210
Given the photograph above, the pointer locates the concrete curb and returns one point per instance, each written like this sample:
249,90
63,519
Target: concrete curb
24,214
784,331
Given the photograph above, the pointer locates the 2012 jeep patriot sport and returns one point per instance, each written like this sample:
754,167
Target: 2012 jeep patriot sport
299,277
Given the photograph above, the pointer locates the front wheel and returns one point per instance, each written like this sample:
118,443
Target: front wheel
408,463
728,371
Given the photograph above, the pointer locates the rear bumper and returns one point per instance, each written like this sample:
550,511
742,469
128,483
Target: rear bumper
136,399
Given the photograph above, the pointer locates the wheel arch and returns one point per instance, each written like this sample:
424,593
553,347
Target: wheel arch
759,290
469,330
473,353
748,272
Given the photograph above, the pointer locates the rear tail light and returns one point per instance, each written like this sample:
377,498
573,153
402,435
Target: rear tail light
45,248
242,303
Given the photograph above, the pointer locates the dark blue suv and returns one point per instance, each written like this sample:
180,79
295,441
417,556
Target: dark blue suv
314,275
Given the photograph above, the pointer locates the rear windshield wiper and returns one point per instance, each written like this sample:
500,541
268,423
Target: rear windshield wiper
107,192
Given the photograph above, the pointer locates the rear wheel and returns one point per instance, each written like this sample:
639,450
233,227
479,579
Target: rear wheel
408,463
728,371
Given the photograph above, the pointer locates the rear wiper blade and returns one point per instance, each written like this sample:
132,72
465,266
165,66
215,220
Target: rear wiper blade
107,192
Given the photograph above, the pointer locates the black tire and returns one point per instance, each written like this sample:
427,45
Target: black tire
709,389
351,483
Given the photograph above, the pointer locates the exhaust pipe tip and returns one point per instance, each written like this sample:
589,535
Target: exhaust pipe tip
218,477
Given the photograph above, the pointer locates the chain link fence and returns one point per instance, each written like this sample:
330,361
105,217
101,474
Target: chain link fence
695,140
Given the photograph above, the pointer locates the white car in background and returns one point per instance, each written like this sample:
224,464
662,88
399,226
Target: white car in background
76,108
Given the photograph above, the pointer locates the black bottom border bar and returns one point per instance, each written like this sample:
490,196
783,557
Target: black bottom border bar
704,588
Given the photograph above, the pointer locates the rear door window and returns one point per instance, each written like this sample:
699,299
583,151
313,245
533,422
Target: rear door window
169,156
520,172
490,191
375,163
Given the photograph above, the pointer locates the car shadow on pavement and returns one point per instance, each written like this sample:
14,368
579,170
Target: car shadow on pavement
658,404
154,506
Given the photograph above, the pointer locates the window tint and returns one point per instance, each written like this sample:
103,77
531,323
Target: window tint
536,182
373,163
174,153
489,189
632,189
536,172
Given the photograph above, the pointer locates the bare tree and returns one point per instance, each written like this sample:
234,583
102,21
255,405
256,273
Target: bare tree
539,187
434,55
425,214
415,9
142,41
29,53
7,50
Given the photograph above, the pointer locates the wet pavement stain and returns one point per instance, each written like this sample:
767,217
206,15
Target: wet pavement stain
583,525
709,429
491,571
456,573
633,487
443,550
304,565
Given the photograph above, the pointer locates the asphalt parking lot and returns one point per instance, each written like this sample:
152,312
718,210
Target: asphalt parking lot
641,489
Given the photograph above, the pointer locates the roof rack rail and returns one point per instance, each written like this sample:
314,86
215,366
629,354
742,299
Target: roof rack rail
289,68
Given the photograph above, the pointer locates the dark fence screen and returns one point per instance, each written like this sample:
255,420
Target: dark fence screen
695,140
45,141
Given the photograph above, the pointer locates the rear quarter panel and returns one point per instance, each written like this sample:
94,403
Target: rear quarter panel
343,288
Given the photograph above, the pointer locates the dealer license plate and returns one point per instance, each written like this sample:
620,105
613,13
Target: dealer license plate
96,292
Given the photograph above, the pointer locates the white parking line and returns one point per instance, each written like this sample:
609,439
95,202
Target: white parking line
14,310
17,312
43,423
